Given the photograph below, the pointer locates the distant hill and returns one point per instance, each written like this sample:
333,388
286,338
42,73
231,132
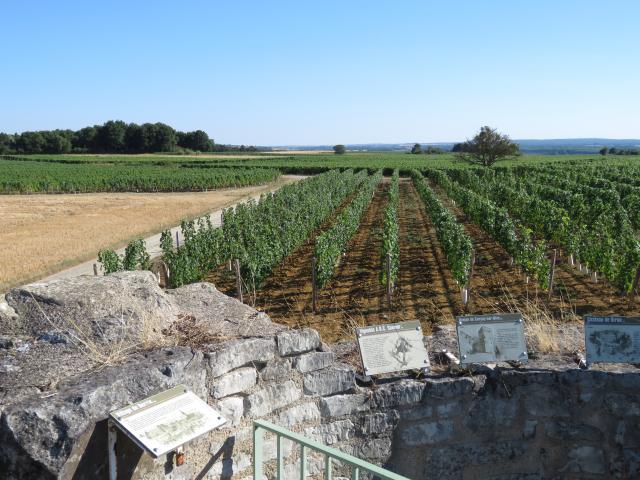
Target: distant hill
558,146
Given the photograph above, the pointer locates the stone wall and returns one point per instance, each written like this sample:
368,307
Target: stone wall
528,423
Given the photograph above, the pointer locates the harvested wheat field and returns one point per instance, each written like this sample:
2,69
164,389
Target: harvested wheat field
43,234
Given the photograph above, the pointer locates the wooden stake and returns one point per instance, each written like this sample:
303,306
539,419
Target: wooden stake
314,291
95,270
473,262
552,274
177,241
238,281
634,290
389,292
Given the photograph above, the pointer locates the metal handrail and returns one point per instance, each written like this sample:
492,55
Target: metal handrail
357,465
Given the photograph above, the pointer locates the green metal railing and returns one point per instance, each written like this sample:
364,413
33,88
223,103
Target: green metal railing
330,454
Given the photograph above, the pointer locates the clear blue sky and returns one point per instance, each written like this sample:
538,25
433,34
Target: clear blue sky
325,72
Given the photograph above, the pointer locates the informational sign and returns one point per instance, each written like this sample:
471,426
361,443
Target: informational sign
612,339
161,423
392,347
491,338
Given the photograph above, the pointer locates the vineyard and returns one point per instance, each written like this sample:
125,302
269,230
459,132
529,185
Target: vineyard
345,248
17,176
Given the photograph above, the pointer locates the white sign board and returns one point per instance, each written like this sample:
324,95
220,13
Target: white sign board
612,339
392,347
161,423
491,338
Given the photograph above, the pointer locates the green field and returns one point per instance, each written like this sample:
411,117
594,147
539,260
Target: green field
96,173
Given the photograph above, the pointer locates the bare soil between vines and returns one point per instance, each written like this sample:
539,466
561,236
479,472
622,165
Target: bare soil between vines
425,290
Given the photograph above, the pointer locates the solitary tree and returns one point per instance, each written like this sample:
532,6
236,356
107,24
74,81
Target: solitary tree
487,147
603,151
416,149
339,149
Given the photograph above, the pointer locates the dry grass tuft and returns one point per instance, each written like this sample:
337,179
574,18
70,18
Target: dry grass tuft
188,332
546,331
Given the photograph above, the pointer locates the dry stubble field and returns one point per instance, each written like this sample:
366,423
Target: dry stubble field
42,234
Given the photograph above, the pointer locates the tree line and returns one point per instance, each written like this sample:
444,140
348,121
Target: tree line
114,136
619,151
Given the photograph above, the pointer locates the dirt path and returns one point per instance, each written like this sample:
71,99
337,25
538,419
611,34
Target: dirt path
426,290
355,297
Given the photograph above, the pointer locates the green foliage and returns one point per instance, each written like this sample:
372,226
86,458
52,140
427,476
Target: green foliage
455,242
390,243
113,137
487,147
259,234
135,257
591,212
31,177
416,149
110,261
331,244
517,240
339,149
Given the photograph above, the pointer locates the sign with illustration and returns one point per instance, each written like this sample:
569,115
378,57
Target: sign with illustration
392,347
612,339
161,423
491,338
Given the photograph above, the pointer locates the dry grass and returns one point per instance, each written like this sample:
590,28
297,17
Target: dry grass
43,234
188,332
105,351
546,331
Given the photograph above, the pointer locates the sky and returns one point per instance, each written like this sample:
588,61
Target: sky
325,72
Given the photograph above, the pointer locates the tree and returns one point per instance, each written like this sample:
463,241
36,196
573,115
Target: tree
110,137
134,139
197,140
487,147
30,142
84,140
6,143
416,149
613,151
603,151
339,149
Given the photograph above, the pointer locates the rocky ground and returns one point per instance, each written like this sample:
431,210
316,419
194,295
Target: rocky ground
73,350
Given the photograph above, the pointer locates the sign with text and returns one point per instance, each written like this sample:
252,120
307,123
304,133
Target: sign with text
612,339
491,338
161,423
392,347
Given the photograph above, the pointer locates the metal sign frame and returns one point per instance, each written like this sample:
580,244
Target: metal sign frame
491,338
392,347
616,341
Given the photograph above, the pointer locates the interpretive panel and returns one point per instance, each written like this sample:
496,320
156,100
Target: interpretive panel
392,347
491,338
163,422
612,339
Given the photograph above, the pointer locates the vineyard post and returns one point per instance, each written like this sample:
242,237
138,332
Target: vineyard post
314,291
553,272
95,270
177,241
238,281
389,279
634,289
466,290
